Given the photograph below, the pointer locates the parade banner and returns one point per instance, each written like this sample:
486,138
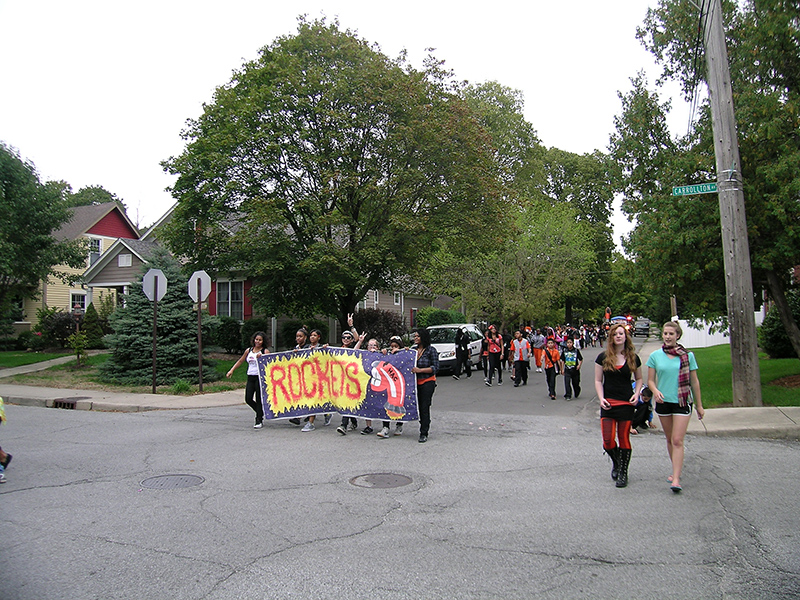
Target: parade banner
351,382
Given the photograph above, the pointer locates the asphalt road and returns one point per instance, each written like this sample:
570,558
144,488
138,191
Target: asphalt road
510,498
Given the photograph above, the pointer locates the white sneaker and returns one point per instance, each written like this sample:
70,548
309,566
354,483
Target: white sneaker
384,433
308,427
2,477
398,429
258,425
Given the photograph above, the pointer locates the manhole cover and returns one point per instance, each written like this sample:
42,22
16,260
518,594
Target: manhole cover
171,482
381,480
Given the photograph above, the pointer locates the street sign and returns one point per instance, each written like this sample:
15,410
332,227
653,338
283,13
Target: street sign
149,285
697,188
204,280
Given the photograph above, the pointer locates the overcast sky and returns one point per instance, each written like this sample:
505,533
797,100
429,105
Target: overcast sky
97,92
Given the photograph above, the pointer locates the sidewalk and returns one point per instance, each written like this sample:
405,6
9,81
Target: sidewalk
759,422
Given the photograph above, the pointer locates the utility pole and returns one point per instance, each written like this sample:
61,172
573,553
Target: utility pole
735,245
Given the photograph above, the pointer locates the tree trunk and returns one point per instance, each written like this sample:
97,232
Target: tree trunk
776,293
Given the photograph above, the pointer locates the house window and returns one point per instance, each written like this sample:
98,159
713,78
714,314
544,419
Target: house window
230,299
414,317
397,298
94,250
124,260
376,296
77,302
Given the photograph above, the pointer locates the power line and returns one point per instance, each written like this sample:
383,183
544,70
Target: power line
696,65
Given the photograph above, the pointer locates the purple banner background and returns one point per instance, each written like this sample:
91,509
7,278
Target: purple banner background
380,398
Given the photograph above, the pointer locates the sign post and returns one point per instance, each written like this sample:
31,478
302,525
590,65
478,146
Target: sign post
199,288
154,285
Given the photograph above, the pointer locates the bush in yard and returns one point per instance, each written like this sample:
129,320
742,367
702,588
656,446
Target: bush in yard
229,335
772,336
92,328
290,328
55,325
250,326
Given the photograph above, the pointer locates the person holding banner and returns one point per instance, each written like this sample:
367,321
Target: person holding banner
301,343
349,341
395,345
314,338
425,369
252,392
372,346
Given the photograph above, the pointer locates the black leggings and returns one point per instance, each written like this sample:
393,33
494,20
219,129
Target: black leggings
494,364
424,400
252,397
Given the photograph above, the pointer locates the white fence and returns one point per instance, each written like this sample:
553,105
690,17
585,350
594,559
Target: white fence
702,338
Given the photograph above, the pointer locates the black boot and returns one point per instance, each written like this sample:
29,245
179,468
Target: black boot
624,461
614,454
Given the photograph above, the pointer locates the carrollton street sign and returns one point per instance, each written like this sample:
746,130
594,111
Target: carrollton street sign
698,188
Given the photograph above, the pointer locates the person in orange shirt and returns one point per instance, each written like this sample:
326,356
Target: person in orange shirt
519,356
552,366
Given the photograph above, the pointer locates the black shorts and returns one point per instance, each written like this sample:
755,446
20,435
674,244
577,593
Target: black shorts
667,409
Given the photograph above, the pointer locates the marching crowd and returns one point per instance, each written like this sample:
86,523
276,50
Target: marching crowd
625,403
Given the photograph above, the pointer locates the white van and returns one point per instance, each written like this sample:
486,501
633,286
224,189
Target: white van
443,338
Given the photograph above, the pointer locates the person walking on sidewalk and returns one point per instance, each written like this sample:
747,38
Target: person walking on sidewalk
612,381
552,364
672,377
494,345
252,392
425,370
572,359
520,358
538,342
462,353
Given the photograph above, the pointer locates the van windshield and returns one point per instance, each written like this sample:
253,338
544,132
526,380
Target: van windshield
444,335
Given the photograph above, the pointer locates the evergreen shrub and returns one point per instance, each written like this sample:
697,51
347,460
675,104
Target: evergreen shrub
772,336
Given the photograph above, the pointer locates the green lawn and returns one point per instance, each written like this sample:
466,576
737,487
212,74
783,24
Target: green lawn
18,359
68,376
714,372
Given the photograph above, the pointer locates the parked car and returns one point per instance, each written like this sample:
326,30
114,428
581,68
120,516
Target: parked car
641,327
443,338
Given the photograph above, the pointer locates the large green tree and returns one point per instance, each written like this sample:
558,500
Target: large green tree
561,204
30,212
326,169
545,260
676,244
764,50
